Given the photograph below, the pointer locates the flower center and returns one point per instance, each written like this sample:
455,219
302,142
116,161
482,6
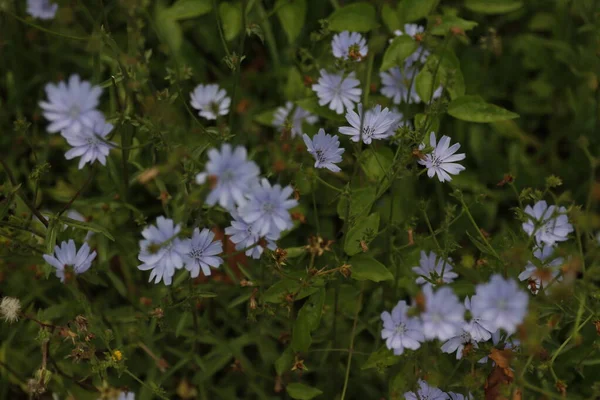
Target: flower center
228,175
320,155
502,304
92,140
437,317
268,208
74,111
368,131
196,254
435,160
400,329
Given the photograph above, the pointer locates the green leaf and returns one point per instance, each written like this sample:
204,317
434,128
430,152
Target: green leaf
301,391
292,16
294,87
87,226
295,252
493,6
381,359
448,74
311,104
231,18
285,361
277,292
364,229
366,268
266,117
475,109
412,10
356,17
51,233
362,200
376,164
184,9
400,48
307,321
390,18
168,29
450,21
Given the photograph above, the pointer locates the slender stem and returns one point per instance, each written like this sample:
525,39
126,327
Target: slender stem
329,185
351,348
31,206
220,27
483,238
22,228
236,77
41,28
87,182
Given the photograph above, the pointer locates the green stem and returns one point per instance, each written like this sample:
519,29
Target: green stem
351,348
13,182
329,185
481,235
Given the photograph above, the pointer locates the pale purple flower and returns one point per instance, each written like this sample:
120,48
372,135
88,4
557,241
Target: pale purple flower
242,234
444,314
336,91
42,9
67,256
89,142
325,149
200,252
267,209
71,105
420,54
344,42
400,331
459,396
457,344
434,269
478,332
426,392
500,304
541,278
442,160
161,250
548,224
210,100
399,85
126,396
375,124
232,175
282,115
77,216
399,121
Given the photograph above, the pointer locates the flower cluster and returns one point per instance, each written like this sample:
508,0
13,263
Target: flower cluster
71,110
425,391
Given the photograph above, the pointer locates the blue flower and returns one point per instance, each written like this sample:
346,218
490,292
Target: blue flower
210,100
200,252
430,270
375,124
242,234
71,105
426,392
89,142
420,54
267,209
336,91
325,149
400,331
500,304
548,224
41,9
343,44
457,344
282,114
444,314
67,256
231,174
161,250
541,277
442,160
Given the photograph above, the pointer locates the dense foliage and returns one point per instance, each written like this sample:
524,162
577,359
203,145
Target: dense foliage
287,175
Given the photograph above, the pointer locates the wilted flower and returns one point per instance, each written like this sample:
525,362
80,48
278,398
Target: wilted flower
10,308
243,235
444,314
233,176
400,331
548,224
442,160
431,269
200,252
210,100
89,142
325,149
349,45
542,277
267,209
282,114
500,304
41,9
336,91
458,344
71,105
375,124
67,256
425,392
160,250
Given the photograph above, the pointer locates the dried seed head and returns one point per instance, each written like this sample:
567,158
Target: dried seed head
10,308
